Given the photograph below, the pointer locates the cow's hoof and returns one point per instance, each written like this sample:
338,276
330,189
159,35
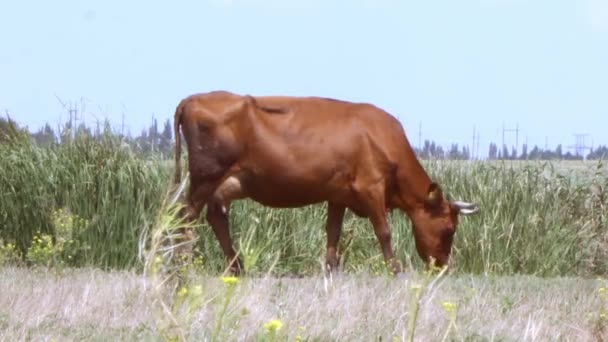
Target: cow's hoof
236,267
402,276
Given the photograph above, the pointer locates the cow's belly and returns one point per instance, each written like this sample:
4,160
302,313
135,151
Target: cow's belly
275,182
294,196
285,195
292,191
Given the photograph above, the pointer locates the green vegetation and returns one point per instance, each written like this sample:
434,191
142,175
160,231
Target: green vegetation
89,200
103,191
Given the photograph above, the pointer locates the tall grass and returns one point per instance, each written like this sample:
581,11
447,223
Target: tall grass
535,218
100,180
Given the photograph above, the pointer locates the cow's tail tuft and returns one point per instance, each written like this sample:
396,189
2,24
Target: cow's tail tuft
178,148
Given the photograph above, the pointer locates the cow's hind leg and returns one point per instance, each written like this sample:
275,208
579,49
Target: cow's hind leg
333,227
217,216
198,195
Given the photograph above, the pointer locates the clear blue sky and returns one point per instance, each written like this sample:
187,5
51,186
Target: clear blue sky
450,65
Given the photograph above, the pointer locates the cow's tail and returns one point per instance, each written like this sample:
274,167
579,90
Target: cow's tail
178,146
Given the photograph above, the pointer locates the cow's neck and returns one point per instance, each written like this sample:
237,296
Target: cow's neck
413,183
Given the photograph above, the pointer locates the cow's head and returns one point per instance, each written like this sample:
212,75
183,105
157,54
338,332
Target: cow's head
435,223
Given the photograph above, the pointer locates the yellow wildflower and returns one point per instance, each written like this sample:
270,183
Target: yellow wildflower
273,325
602,292
182,292
230,280
448,306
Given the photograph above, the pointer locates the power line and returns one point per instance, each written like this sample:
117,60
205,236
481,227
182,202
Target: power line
579,145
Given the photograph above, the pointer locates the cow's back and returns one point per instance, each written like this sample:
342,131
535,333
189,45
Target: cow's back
320,147
335,123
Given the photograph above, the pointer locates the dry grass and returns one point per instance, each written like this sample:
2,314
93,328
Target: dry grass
95,305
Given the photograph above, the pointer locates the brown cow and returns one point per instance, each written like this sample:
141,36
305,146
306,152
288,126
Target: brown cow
287,152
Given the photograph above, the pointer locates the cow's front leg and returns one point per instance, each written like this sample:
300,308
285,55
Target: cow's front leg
373,198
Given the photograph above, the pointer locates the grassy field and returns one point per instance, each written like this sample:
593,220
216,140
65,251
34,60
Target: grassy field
83,255
93,305
96,198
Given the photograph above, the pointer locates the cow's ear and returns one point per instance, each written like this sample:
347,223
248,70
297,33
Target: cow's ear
434,195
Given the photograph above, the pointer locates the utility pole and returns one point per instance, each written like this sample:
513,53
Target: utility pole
517,138
579,145
475,144
516,130
502,146
472,156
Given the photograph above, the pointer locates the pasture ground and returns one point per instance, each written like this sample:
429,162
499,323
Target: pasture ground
94,305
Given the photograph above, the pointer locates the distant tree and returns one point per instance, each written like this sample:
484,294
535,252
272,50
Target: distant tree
45,136
558,152
456,153
535,153
547,155
426,150
466,154
570,156
431,150
153,135
165,137
524,152
439,153
601,152
493,152
453,153
505,152
83,130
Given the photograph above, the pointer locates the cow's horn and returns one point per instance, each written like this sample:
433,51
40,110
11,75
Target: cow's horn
466,208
